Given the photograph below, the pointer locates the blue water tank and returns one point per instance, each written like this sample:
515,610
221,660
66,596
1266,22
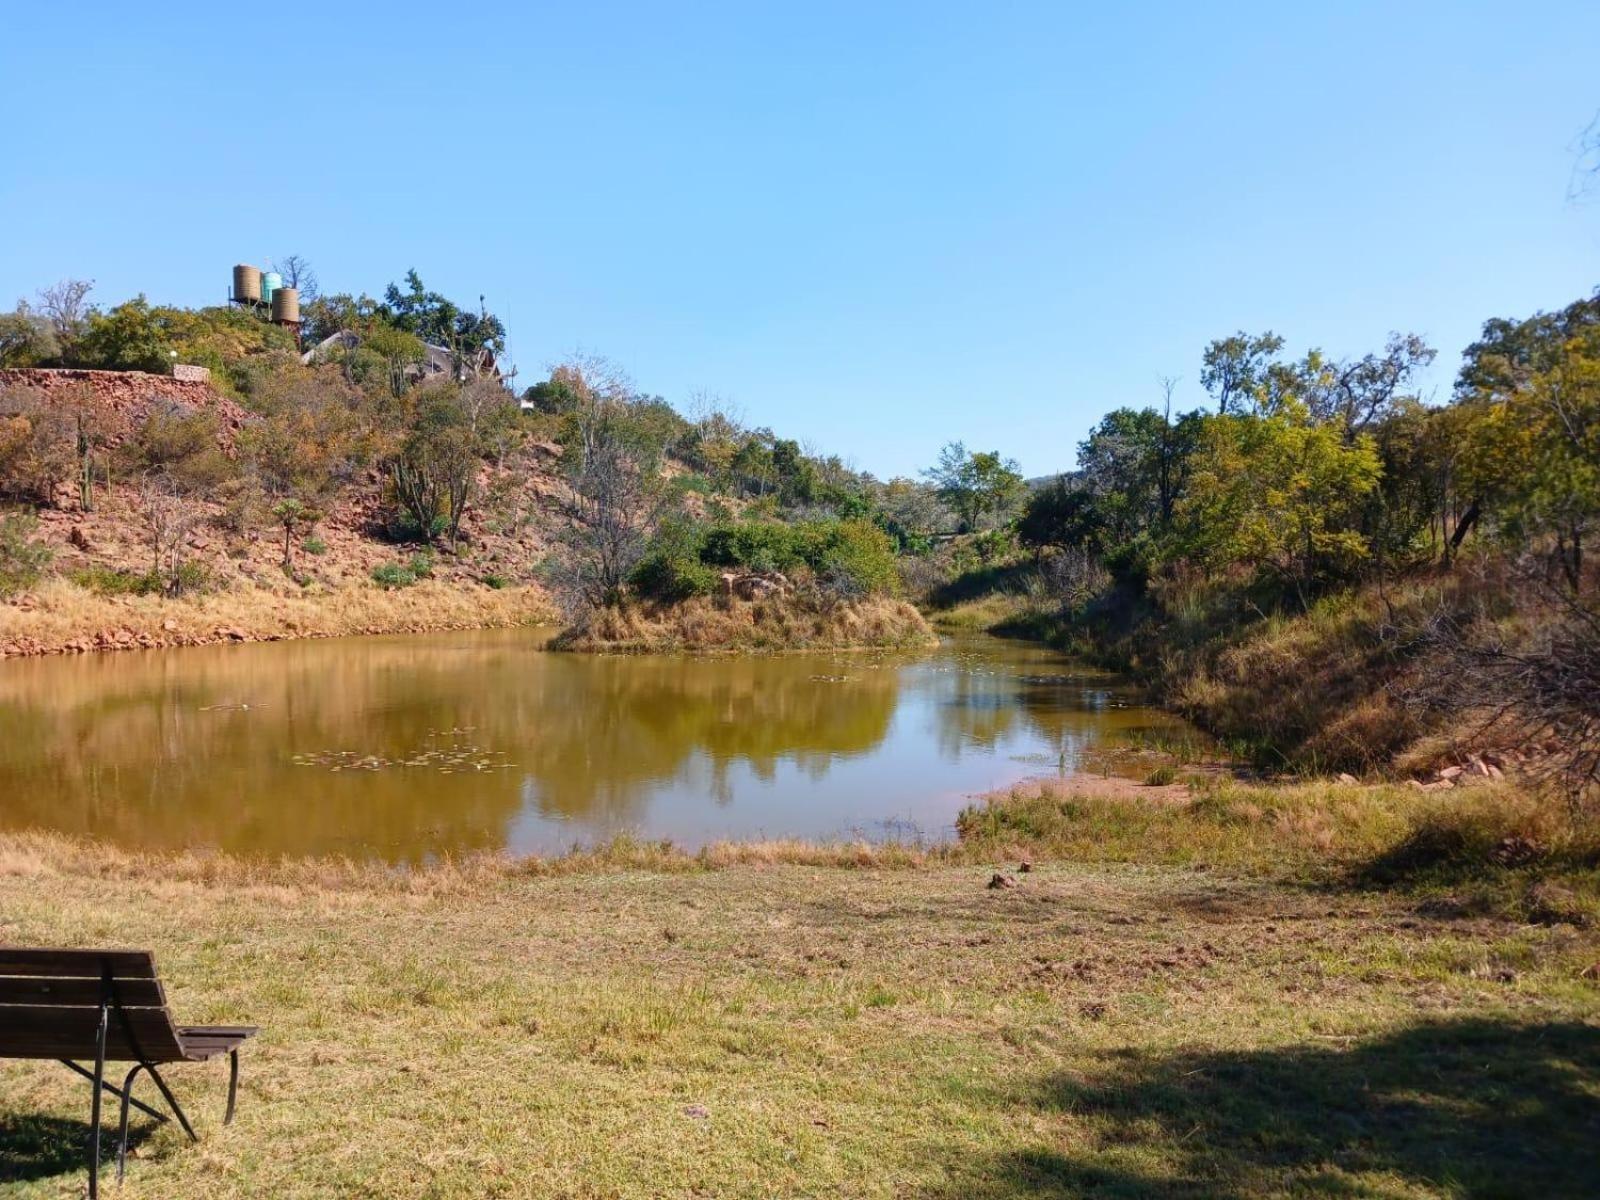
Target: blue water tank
270,282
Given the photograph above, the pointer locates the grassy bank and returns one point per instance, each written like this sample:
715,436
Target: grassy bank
1491,849
783,622
1214,1016
62,617
1342,685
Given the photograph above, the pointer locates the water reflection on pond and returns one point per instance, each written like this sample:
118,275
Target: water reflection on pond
407,748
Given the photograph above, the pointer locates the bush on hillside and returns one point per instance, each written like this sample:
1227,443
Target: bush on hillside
22,560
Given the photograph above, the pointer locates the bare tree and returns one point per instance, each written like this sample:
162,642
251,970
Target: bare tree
613,505
169,514
65,306
297,273
1358,393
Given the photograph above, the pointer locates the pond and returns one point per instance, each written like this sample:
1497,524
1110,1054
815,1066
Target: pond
408,748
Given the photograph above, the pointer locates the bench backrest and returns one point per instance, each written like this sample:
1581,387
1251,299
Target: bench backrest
50,1005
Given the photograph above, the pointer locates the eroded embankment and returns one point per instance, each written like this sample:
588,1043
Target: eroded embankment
61,618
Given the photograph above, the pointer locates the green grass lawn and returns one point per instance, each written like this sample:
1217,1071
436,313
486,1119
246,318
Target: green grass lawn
795,1030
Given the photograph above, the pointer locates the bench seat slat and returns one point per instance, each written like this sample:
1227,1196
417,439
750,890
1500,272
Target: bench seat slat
145,1033
131,993
80,964
203,1042
56,1046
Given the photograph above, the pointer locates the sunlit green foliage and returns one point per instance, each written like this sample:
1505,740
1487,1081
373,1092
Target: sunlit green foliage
846,558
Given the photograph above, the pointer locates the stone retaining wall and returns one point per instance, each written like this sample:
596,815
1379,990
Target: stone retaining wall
131,394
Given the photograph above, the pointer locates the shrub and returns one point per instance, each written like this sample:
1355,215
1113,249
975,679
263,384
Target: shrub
851,558
390,576
673,568
22,560
188,578
116,581
847,558
314,546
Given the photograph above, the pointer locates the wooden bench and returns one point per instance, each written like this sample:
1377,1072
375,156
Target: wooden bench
105,1006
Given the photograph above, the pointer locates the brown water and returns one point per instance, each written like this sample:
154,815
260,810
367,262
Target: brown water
407,748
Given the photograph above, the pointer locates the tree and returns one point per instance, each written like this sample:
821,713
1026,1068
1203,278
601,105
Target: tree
1281,492
1586,168
169,514
130,337
1529,417
469,336
434,474
977,486
797,476
314,431
297,273
27,338
66,308
1354,395
1136,464
1235,367
22,560
1536,457
613,505
36,446
1062,514
295,517
96,426
183,443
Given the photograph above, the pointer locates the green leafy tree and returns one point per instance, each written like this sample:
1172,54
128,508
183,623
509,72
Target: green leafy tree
1524,416
434,473
1536,456
469,336
26,338
1062,514
1235,368
131,337
1282,493
981,487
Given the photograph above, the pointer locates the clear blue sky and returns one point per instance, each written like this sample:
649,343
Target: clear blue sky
876,227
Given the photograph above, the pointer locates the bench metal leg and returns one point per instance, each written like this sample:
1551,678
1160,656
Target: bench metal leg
233,1084
122,1125
172,1101
114,1090
94,1105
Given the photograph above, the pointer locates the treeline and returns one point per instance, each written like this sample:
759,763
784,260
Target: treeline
1325,568
1311,474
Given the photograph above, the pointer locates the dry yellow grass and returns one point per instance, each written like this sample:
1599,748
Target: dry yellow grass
786,1030
63,617
779,623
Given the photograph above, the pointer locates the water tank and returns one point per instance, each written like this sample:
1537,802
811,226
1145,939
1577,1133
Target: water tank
286,305
270,282
246,283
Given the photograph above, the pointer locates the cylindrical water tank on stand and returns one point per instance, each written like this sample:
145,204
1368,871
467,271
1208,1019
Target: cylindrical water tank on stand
286,306
247,283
